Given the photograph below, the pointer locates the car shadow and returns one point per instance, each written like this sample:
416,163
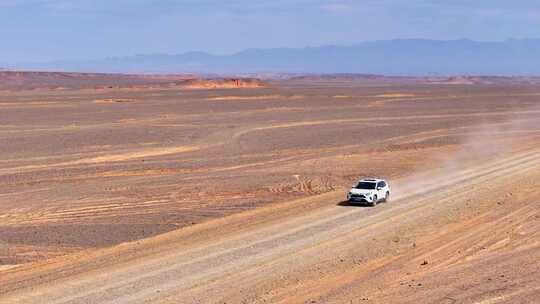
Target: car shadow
349,204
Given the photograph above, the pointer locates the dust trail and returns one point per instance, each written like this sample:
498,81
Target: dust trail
486,142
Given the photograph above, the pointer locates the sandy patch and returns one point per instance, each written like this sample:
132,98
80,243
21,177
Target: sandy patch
132,155
143,172
30,103
260,97
395,95
113,100
113,157
7,267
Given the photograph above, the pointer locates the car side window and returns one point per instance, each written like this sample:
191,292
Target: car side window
380,185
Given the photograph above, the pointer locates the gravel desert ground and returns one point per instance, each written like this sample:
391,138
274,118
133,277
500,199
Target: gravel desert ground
164,194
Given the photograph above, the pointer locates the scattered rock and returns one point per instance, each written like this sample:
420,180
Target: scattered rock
424,263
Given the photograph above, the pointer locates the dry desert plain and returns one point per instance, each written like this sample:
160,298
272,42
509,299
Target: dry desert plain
163,194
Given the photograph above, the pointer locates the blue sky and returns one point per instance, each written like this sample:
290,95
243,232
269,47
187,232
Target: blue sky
42,30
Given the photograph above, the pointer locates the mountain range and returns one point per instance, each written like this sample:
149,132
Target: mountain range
388,57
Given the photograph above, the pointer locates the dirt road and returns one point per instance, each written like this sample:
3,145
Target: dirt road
421,247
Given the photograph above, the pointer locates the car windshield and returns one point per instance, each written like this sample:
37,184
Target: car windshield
365,185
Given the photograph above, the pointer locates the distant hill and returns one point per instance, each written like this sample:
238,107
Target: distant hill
17,80
390,57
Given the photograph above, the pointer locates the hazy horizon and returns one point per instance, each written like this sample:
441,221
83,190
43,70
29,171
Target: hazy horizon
51,30
225,54
385,57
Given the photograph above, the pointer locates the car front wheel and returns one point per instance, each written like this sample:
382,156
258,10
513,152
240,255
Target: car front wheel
375,200
387,197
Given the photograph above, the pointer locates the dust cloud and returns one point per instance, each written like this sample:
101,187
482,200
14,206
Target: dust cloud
479,146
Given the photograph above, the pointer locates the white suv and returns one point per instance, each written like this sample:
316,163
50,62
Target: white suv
369,190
